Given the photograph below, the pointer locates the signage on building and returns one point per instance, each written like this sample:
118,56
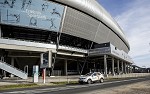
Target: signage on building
40,14
120,53
46,60
112,50
99,51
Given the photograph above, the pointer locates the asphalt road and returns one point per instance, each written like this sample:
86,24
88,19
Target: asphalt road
76,89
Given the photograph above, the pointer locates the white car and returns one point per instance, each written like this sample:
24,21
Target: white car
91,77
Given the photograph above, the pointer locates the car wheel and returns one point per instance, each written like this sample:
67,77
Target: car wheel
101,80
89,81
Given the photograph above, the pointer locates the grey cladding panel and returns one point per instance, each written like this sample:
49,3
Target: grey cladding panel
79,24
116,41
125,48
102,34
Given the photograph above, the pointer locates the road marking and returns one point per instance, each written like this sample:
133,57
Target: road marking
65,88
122,81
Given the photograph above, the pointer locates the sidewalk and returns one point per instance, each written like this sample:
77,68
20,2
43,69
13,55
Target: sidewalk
16,80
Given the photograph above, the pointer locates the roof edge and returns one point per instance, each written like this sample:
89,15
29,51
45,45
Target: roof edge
93,8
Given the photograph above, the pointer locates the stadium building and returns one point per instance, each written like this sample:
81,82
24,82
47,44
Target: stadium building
68,37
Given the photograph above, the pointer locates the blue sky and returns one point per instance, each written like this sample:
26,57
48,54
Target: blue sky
134,18
115,7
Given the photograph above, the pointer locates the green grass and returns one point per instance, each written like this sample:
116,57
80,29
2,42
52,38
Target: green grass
17,86
118,78
65,83
5,87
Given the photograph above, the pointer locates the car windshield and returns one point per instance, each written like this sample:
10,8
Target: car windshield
88,74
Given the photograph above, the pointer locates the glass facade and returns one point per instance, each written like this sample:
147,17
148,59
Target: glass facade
39,14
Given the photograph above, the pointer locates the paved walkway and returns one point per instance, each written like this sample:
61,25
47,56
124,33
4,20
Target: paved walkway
16,80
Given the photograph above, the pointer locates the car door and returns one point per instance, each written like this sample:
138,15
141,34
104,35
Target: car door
94,77
99,76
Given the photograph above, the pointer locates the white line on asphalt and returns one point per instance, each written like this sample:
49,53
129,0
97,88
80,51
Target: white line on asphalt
122,81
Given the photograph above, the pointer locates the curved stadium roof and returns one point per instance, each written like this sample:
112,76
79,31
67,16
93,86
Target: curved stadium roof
93,8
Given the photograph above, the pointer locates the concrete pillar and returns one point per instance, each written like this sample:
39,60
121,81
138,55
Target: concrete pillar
50,58
122,67
78,70
4,73
0,32
113,72
125,68
12,63
118,68
94,67
128,68
105,65
131,68
65,67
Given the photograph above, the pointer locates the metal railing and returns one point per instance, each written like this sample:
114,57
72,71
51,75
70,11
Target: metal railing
13,70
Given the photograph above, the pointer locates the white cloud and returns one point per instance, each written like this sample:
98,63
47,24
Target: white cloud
136,25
